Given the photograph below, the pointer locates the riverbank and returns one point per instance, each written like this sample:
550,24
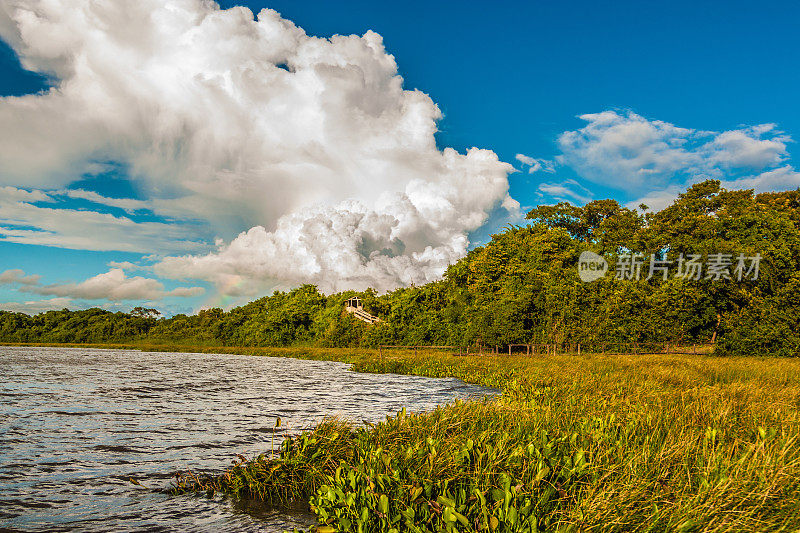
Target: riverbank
575,443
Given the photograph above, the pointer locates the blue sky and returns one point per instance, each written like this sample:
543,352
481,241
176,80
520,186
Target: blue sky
586,100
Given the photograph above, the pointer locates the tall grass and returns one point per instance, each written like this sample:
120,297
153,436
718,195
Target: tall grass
575,443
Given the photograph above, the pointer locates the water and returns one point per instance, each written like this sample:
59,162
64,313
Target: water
77,424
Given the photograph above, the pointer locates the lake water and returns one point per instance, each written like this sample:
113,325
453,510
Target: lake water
77,424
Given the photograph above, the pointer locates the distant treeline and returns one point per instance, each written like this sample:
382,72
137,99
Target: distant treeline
523,287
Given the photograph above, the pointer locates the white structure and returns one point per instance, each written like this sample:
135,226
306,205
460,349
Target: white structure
355,307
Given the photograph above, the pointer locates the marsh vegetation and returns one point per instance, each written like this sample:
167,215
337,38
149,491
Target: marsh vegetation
589,443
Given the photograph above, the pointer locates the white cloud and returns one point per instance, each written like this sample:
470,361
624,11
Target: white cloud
655,160
242,123
14,194
26,223
128,205
17,276
186,292
536,165
779,179
657,200
746,149
526,160
513,209
114,285
566,191
36,306
348,246
126,265
627,151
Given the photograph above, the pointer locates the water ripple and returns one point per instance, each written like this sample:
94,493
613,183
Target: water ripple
77,424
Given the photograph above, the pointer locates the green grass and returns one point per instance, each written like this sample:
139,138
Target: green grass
575,443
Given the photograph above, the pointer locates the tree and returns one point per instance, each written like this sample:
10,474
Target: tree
144,312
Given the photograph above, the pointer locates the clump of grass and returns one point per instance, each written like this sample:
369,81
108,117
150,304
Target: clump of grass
590,443
298,471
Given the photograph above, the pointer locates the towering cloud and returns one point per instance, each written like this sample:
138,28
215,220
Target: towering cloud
310,147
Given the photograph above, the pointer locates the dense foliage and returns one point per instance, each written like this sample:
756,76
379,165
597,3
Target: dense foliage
523,287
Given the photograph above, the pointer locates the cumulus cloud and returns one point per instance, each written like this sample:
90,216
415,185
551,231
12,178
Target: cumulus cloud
625,150
653,160
126,265
36,306
347,246
779,179
243,122
628,151
745,148
17,276
114,285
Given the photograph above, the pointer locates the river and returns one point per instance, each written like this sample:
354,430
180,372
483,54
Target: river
76,424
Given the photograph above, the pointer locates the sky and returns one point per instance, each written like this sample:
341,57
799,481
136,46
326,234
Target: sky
181,154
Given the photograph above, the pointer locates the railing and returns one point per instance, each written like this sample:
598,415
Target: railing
636,348
363,315
420,347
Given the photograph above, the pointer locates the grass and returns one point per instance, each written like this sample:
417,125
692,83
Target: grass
575,443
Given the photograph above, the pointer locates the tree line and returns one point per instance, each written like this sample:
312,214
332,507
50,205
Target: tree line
524,287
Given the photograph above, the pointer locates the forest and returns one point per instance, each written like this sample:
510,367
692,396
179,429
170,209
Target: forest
524,287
